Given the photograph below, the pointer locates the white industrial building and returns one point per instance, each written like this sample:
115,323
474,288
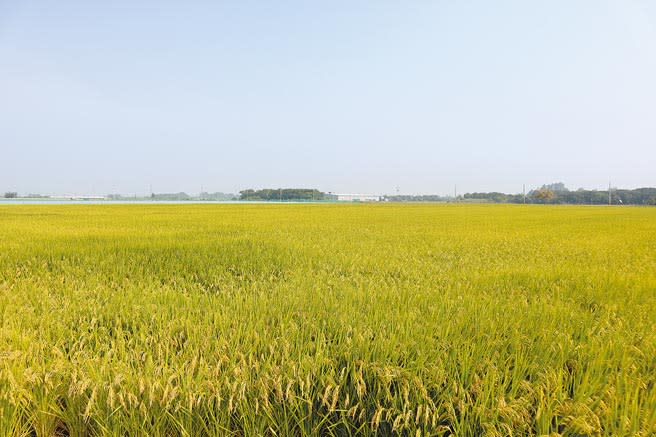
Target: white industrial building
357,197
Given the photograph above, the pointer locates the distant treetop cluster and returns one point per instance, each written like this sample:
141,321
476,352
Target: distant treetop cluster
280,194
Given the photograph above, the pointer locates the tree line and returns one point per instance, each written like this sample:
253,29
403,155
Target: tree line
282,194
555,194
548,195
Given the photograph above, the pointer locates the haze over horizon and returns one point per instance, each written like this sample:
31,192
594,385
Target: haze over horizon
113,98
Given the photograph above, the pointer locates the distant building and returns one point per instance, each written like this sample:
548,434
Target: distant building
357,197
77,197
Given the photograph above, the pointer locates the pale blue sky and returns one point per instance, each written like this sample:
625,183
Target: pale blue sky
100,97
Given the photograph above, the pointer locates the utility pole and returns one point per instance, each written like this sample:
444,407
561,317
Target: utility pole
609,195
524,193
455,193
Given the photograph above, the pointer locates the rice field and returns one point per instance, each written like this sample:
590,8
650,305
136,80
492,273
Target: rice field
326,319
